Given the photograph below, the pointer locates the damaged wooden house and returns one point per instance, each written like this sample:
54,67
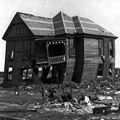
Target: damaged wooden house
58,48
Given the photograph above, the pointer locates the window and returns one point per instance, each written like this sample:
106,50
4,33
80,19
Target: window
10,70
11,55
101,47
24,74
111,69
100,70
71,48
19,31
111,51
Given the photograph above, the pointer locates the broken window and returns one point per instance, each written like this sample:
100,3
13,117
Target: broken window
111,49
71,48
24,74
27,74
101,47
10,71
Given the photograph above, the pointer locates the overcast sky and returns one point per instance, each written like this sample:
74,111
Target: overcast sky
104,12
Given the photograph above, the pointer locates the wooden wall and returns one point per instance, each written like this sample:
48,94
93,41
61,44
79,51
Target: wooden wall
82,57
70,61
23,53
19,30
90,59
23,50
83,66
79,59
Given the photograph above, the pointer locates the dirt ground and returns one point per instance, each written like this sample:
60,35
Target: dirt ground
22,106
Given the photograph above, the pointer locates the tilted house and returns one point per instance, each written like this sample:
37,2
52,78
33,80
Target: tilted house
74,46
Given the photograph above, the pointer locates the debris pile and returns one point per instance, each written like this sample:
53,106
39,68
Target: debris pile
103,100
85,104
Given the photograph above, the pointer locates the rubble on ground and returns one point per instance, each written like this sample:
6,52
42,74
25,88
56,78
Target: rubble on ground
102,100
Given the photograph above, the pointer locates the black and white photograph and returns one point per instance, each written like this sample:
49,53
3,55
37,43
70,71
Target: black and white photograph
59,60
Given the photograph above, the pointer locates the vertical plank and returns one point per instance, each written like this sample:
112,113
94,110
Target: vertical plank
106,61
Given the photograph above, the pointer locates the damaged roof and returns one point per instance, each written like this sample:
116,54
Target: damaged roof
60,24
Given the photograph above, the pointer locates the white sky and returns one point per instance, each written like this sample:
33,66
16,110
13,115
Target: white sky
104,12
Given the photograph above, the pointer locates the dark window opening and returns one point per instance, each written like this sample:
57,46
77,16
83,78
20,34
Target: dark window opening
100,70
10,71
71,48
56,50
40,51
111,49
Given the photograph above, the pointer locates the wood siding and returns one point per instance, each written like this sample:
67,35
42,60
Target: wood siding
90,59
79,59
70,61
19,30
23,53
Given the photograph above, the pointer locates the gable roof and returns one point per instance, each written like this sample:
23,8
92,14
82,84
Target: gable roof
60,24
63,24
87,26
38,25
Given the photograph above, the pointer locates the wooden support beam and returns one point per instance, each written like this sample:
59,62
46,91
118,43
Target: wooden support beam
106,61
47,45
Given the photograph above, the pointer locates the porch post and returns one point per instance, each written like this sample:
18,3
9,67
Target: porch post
47,45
